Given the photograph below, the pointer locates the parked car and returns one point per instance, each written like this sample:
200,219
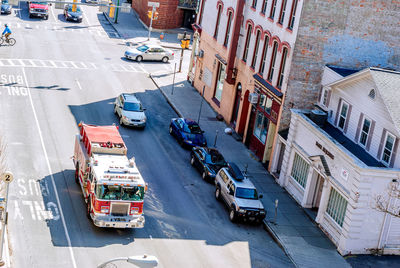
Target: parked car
187,132
71,15
130,111
39,9
239,194
149,52
5,7
207,160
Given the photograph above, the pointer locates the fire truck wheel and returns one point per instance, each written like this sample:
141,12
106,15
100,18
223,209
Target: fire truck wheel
89,208
77,173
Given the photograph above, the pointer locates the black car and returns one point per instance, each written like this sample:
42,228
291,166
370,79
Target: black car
72,15
207,160
5,7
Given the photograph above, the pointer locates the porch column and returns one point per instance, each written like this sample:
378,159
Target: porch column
308,186
324,201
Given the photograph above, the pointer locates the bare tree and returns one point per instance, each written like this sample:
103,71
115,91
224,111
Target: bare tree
390,201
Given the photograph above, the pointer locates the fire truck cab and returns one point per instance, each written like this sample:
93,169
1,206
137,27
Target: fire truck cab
111,183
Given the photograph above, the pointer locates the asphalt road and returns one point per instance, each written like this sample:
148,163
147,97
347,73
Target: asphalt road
61,73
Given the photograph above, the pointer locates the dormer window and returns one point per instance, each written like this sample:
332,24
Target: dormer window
372,94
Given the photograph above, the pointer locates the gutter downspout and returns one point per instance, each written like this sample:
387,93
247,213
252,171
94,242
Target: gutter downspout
234,42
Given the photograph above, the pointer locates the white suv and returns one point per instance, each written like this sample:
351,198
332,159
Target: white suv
130,110
239,194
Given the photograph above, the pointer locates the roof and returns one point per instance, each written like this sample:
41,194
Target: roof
342,71
245,183
388,85
130,97
102,133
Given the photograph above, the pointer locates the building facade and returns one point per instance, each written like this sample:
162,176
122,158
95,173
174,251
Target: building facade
171,13
340,157
242,61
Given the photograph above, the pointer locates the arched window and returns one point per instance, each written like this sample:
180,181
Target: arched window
256,45
217,23
273,59
282,12
264,54
282,69
246,44
273,8
228,28
292,14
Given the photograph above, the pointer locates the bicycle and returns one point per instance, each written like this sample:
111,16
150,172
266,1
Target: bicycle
11,41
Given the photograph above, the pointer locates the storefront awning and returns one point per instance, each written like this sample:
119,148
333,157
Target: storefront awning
268,87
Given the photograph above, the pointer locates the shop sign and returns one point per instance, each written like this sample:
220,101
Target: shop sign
329,154
344,174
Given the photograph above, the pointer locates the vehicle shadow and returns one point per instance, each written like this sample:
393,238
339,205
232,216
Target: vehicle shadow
107,27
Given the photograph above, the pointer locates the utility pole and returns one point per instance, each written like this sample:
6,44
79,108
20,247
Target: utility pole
6,177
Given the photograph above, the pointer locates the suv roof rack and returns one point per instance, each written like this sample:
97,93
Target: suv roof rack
235,172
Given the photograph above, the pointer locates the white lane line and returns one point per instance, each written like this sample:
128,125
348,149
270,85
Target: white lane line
84,65
1,63
52,13
31,62
11,63
71,252
74,65
79,84
21,62
6,248
94,66
141,68
53,63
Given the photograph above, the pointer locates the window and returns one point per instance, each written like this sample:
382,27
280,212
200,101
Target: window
365,131
372,94
293,14
300,170
246,44
324,97
264,6
283,64
228,29
256,45
201,11
261,127
388,149
254,4
265,103
337,206
217,23
282,13
273,8
220,82
264,55
224,177
273,59
343,115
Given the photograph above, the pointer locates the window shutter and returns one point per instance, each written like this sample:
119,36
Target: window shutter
381,144
328,98
360,121
370,134
396,144
346,125
338,111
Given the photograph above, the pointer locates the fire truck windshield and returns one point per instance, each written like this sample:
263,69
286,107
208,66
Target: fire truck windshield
116,192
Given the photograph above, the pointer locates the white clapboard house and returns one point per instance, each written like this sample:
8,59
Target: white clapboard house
338,158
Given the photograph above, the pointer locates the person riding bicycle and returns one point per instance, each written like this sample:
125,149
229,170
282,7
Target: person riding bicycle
6,32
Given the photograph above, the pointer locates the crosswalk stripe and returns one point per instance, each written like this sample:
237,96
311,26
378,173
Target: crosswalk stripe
84,65
73,64
1,63
11,63
32,63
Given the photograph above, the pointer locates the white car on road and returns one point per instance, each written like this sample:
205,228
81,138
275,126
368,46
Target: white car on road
149,52
130,111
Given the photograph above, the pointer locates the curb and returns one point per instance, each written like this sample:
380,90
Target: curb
278,241
112,25
166,97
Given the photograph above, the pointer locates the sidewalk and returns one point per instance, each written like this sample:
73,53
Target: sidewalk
304,243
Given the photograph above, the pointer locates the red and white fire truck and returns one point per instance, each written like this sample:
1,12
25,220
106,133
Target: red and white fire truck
111,183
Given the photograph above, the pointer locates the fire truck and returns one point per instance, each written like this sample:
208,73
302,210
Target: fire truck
111,183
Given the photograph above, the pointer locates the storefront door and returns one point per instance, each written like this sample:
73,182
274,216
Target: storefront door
318,192
237,104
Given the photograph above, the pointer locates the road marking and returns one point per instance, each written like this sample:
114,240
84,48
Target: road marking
79,84
52,13
19,10
31,62
84,65
50,172
141,68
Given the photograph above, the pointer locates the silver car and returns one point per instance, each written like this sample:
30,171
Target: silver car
130,111
149,52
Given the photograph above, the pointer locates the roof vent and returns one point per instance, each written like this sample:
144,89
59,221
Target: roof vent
372,94
318,117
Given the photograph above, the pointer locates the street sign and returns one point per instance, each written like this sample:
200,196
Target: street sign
7,177
153,4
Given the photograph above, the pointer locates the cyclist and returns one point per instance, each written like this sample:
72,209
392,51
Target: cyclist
6,32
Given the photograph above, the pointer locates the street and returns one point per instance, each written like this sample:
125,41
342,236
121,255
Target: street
59,74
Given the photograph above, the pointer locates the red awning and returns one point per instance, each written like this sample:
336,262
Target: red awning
102,134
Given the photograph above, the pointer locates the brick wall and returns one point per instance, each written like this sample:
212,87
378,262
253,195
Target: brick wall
169,16
350,34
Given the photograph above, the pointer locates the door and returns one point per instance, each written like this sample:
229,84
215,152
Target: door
236,105
280,158
251,125
244,113
318,192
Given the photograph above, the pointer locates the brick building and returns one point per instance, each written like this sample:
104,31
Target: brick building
349,34
244,51
171,13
